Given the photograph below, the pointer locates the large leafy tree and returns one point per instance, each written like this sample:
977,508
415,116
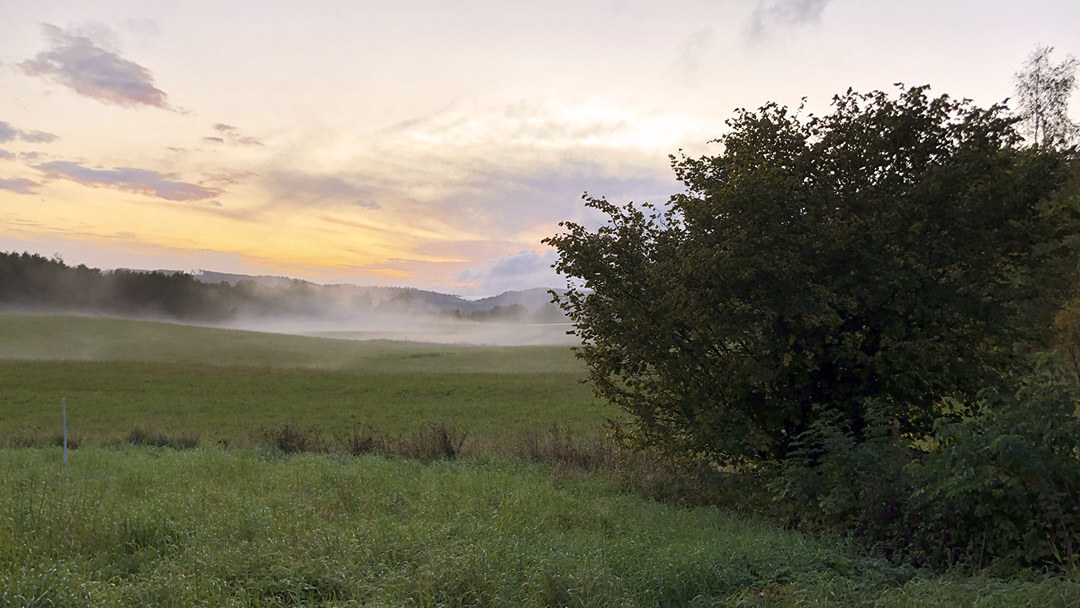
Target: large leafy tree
891,249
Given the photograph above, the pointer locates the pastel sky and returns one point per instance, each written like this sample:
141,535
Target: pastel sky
422,142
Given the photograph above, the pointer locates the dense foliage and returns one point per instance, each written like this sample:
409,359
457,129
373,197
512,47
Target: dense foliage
997,484
894,251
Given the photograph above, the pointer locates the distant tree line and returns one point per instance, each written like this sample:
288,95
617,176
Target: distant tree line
549,313
35,282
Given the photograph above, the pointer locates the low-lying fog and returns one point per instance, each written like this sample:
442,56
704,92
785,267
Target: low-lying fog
282,305
414,328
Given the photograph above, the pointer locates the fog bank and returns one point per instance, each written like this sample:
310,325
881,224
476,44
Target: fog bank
413,328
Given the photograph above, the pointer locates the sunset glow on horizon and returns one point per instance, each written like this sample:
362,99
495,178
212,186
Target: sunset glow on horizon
423,144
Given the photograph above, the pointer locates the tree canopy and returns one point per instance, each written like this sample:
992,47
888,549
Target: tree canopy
894,249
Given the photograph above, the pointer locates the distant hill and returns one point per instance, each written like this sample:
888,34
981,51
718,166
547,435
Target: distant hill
530,298
414,300
209,276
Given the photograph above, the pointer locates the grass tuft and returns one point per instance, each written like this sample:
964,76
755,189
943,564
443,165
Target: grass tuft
291,438
146,436
434,441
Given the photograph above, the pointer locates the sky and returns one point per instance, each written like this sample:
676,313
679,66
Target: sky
424,143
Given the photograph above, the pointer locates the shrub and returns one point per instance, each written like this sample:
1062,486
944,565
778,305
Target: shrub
891,249
836,478
998,486
1003,484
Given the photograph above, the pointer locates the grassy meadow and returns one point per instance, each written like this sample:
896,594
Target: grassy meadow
223,384
244,523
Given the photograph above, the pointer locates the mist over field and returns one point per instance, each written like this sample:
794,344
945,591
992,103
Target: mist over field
350,312
34,284
412,328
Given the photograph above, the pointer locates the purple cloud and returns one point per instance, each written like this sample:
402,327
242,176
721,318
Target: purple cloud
19,186
150,183
520,270
7,132
76,62
213,140
10,133
38,137
5,155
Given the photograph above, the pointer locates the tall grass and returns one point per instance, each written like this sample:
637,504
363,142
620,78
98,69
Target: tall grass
143,526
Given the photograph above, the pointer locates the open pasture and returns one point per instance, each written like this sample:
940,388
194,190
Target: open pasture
84,338
222,384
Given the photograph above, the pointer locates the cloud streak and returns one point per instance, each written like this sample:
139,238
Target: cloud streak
232,135
19,186
78,63
142,181
321,188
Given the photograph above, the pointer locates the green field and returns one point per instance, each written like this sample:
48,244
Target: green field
250,525
75,338
223,384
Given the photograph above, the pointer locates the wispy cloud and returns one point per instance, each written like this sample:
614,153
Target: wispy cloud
232,135
10,133
78,63
19,186
38,137
524,123
142,181
770,15
227,178
306,188
692,50
5,155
